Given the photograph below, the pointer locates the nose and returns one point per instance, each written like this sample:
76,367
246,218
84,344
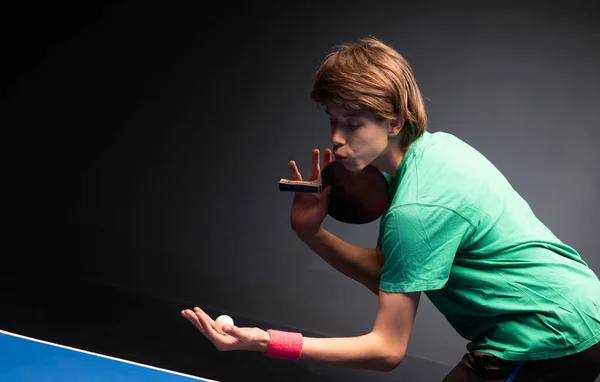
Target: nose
337,136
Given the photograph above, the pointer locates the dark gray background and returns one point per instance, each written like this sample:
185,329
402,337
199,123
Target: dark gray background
147,146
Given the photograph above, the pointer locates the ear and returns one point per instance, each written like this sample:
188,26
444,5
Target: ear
394,126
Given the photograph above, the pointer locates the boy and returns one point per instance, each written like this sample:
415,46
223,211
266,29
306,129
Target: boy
455,230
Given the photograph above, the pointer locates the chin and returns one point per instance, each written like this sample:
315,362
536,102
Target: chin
353,166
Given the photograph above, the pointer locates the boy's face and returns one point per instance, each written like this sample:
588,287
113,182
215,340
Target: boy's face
358,137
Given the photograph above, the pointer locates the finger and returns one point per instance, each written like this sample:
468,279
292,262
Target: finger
204,324
207,322
208,325
295,173
327,156
315,168
193,318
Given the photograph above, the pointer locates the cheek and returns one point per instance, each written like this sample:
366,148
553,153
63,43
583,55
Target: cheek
381,142
375,143
368,146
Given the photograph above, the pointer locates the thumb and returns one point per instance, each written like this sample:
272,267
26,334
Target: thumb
324,197
233,331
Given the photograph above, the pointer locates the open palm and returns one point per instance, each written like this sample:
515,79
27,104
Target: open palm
235,339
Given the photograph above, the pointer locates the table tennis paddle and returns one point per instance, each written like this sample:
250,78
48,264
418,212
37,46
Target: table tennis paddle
355,198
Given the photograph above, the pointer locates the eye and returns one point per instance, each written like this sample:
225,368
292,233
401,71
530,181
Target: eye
353,125
350,125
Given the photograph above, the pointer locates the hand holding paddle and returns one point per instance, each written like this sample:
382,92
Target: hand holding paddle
309,209
350,197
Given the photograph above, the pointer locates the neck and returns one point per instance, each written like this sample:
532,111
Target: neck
390,160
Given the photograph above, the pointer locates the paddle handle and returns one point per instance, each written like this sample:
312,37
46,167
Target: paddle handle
299,186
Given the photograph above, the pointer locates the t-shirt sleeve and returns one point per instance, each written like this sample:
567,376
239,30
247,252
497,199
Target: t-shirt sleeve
419,244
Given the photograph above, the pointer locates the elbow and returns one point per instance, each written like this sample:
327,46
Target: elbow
373,286
390,362
374,289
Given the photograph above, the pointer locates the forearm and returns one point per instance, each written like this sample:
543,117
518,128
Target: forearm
368,351
358,263
365,352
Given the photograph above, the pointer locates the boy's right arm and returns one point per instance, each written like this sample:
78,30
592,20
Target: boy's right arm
358,263
307,215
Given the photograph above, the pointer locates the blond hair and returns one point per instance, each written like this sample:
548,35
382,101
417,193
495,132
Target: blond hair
370,75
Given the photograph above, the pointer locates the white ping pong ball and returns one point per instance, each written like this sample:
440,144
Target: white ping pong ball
222,321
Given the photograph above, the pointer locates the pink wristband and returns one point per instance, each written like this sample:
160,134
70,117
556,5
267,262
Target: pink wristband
284,345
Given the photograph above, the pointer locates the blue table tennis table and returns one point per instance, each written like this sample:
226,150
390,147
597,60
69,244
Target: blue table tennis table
32,360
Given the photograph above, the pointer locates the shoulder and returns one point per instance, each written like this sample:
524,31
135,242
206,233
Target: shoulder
415,221
445,172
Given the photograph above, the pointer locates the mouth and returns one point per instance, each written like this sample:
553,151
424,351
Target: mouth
340,158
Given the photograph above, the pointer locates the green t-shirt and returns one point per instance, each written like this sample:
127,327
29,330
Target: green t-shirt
459,232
